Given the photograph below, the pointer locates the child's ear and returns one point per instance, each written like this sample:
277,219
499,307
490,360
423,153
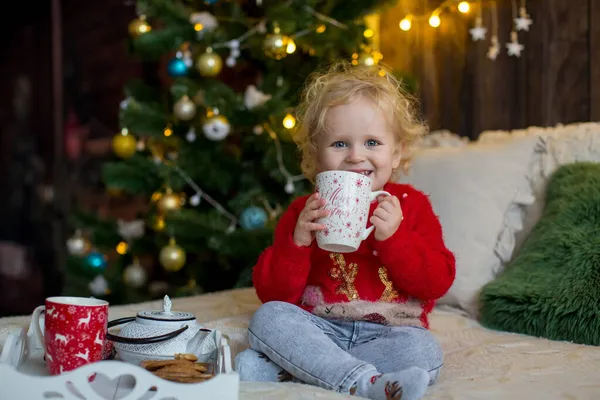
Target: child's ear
399,153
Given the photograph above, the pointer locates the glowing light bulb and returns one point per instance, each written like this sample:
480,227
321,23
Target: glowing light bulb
464,7
122,248
289,121
405,24
434,20
291,46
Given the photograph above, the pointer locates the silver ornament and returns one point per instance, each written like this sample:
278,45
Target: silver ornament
191,135
135,275
289,187
216,128
195,200
78,245
98,286
184,109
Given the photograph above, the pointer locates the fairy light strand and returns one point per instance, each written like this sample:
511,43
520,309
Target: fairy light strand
233,220
289,177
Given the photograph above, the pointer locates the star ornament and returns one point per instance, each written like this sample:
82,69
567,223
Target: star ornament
514,49
478,33
493,51
523,23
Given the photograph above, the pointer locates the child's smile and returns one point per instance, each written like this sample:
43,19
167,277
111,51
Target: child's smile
359,138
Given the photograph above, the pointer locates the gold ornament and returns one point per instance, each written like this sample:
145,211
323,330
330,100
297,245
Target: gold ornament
158,223
124,145
172,257
169,202
78,245
164,148
276,44
156,197
209,63
184,109
139,26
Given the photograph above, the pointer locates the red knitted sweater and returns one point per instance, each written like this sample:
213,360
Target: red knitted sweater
393,282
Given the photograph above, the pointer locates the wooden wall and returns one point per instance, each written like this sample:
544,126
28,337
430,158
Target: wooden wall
556,79
95,66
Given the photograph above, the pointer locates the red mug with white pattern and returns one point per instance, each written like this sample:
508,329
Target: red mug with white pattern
74,331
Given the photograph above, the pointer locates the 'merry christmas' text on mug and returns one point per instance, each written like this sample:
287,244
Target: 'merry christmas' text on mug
348,198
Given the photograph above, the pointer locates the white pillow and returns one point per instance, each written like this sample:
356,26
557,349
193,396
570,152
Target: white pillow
566,144
479,192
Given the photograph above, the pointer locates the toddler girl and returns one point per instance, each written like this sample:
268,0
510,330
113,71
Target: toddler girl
355,322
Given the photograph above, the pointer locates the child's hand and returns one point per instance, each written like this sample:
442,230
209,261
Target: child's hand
304,234
387,217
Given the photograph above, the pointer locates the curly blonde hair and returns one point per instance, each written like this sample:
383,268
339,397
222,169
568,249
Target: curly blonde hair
342,83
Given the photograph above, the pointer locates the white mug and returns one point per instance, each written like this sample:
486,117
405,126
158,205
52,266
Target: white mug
348,198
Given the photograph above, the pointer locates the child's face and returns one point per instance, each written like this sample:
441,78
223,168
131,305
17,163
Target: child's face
358,138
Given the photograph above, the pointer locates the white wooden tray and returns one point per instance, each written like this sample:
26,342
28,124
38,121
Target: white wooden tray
23,375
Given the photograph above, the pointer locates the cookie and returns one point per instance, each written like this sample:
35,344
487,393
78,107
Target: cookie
186,356
183,369
152,365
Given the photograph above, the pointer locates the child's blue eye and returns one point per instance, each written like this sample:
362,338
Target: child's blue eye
372,142
339,144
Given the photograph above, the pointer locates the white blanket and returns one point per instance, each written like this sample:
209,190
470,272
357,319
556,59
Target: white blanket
479,363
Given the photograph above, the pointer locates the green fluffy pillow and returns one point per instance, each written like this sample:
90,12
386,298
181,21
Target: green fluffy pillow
552,287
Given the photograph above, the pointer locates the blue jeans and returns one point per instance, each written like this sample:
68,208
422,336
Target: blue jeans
287,341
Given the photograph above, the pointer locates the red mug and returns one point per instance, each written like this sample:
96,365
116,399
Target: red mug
74,331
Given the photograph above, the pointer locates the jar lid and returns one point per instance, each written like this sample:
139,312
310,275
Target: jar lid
166,314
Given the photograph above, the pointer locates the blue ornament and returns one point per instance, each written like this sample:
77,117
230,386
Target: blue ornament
253,218
211,1
96,260
177,67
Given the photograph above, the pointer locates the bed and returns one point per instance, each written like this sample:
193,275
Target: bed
479,363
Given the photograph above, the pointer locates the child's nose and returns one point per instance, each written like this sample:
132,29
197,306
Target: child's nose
355,155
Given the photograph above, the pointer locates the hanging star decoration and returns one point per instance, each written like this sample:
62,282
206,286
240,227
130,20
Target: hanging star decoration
494,49
523,22
514,48
479,31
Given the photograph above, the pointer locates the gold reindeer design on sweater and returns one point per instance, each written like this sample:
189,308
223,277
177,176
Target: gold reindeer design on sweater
346,275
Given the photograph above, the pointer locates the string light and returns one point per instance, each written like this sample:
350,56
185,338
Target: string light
290,179
406,23
464,7
210,200
291,46
122,248
289,121
434,20
434,17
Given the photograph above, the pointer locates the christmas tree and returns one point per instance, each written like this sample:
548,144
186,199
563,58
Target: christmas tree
211,146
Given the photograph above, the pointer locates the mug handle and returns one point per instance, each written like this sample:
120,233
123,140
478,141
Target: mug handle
374,196
35,320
